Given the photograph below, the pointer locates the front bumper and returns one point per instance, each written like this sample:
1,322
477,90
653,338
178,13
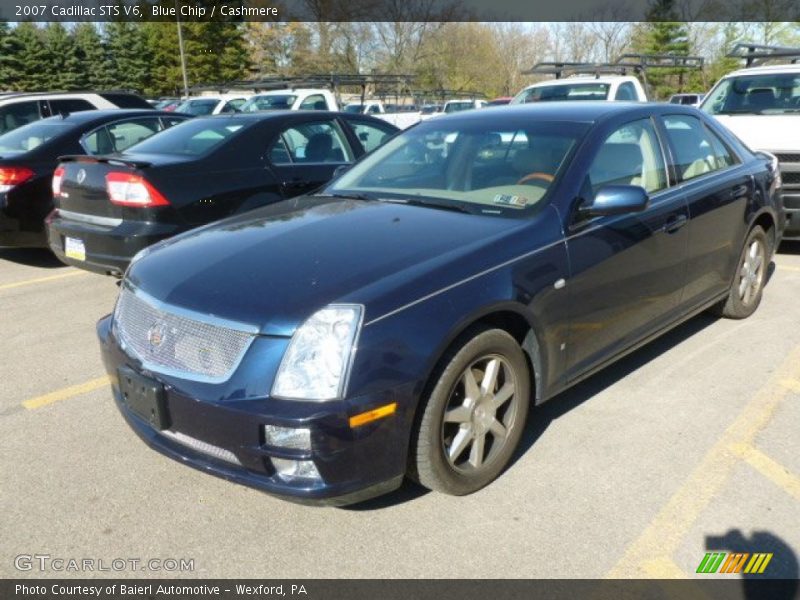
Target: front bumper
791,208
109,248
226,437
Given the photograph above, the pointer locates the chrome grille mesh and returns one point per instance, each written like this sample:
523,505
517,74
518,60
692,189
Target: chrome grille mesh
176,344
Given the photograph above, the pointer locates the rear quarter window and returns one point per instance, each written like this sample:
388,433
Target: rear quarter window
192,138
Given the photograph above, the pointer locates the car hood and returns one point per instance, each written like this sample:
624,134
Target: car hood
275,266
773,133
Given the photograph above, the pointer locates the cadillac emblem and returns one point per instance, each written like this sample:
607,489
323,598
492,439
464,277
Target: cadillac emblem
156,335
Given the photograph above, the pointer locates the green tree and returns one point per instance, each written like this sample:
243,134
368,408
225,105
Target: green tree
215,52
165,63
95,64
663,34
33,57
64,66
129,53
9,59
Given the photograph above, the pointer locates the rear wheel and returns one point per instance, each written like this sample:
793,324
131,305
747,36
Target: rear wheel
474,416
751,275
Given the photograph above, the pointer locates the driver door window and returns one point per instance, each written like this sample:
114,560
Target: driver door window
630,156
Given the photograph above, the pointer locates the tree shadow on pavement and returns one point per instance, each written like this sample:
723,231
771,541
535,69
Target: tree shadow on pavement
32,257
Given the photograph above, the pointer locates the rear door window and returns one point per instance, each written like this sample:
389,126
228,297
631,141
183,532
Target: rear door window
697,150
314,102
18,114
69,105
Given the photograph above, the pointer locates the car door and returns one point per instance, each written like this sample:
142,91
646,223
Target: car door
305,154
717,189
627,271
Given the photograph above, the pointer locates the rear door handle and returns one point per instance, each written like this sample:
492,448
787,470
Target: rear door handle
675,223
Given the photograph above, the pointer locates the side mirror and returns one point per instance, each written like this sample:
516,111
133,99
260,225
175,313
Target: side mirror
616,200
340,170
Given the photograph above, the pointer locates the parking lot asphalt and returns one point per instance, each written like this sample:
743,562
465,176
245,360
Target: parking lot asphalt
685,447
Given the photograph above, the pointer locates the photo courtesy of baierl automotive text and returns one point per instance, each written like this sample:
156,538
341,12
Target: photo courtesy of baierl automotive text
432,300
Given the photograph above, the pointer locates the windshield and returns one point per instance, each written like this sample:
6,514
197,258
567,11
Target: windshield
571,91
478,166
33,135
354,108
191,138
198,107
271,102
776,93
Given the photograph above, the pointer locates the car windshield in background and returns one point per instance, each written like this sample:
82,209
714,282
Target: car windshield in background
755,94
271,102
452,107
479,167
28,137
574,91
354,108
197,107
192,138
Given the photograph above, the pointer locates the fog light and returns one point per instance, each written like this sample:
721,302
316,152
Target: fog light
288,437
296,469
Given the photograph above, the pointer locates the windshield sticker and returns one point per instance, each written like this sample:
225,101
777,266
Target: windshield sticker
509,200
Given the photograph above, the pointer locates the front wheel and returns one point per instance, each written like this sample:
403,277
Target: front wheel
751,276
474,416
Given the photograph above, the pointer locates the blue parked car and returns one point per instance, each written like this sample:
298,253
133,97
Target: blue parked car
402,320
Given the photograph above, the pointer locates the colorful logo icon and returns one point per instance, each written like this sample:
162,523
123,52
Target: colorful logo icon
736,562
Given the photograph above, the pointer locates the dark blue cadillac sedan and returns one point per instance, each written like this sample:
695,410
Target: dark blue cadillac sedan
401,321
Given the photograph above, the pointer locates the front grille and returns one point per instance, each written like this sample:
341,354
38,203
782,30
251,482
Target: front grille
203,447
177,344
787,158
791,178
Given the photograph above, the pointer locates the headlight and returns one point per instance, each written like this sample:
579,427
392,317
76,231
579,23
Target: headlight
317,361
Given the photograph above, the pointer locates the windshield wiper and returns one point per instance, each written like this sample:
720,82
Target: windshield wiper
353,196
429,204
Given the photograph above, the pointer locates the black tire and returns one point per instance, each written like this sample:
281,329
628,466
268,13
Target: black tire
435,438
739,305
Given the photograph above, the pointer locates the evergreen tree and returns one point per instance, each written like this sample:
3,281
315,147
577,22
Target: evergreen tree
64,66
215,51
129,54
32,58
662,34
9,60
165,62
94,63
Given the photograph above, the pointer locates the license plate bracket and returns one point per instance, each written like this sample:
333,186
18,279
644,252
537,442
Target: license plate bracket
144,397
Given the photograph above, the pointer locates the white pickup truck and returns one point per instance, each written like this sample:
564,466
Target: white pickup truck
761,105
584,87
291,99
376,108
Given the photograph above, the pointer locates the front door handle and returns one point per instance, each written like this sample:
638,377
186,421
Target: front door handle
675,223
738,191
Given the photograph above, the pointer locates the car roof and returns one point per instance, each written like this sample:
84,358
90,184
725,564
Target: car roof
765,70
584,111
111,114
